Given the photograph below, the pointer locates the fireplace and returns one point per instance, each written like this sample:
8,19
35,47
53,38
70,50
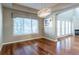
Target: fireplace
77,32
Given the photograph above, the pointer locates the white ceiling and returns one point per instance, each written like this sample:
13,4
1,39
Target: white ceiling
38,6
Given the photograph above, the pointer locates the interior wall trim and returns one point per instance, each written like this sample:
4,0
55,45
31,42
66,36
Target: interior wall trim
28,40
54,39
22,40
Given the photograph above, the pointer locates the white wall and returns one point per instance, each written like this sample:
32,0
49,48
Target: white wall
50,28
76,19
76,24
0,26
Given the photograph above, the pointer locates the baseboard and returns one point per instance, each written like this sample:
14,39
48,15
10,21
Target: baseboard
51,39
28,40
63,36
21,40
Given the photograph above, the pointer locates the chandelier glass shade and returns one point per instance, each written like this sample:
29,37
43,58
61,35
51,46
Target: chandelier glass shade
44,12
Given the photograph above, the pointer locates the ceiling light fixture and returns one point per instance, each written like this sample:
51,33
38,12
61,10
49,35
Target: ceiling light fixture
44,12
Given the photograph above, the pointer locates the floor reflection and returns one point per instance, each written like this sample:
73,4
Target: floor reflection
27,50
67,45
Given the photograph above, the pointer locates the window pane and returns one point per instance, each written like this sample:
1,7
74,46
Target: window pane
70,27
58,28
67,28
62,28
27,26
18,29
35,26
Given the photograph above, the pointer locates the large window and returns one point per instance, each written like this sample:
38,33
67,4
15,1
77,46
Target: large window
63,27
25,26
64,23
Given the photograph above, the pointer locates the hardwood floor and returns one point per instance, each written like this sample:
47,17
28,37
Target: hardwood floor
65,46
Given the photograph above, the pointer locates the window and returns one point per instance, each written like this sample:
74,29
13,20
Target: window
62,28
58,28
70,27
64,23
25,26
67,28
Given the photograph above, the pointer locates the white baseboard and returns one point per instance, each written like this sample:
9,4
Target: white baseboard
51,39
21,40
28,40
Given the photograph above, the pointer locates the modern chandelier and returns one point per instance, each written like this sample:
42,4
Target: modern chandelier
44,12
